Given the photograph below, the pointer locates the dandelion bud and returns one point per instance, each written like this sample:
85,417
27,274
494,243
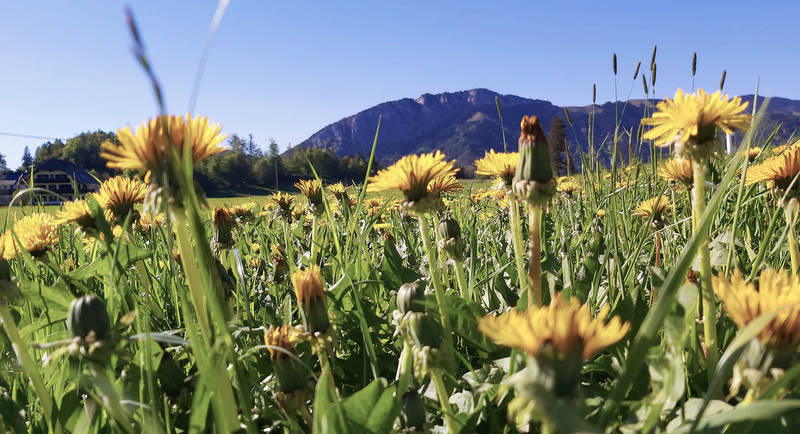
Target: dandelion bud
311,298
410,297
451,242
87,315
423,330
413,414
534,179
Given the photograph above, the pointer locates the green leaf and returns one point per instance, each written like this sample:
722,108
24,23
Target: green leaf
372,408
328,415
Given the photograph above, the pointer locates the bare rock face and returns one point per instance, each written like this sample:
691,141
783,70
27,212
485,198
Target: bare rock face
465,124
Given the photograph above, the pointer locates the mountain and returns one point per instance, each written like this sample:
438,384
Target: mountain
465,124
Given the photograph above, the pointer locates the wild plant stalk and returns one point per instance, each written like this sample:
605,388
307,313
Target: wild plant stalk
535,252
790,210
461,277
707,294
444,399
28,365
516,242
430,252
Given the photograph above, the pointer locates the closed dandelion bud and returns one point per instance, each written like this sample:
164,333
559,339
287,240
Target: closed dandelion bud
311,298
413,415
534,179
410,297
451,242
423,330
87,316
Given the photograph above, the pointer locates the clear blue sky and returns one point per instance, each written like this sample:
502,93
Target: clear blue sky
283,70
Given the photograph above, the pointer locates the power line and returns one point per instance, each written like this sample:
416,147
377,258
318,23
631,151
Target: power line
28,136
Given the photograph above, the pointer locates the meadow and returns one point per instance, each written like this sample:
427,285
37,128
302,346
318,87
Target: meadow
653,294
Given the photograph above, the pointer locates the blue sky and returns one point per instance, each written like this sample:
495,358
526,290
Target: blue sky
283,70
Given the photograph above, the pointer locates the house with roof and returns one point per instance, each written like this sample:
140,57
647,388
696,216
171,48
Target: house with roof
64,180
8,185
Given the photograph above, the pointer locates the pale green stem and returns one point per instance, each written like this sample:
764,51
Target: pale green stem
535,252
442,256
325,362
516,242
190,264
709,304
425,233
404,369
26,361
462,280
314,223
110,397
444,399
793,249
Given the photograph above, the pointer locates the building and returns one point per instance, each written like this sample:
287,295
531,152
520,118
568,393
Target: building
61,178
8,185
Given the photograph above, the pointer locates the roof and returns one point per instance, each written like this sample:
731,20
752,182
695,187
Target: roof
79,175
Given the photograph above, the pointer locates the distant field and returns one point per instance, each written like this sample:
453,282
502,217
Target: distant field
469,184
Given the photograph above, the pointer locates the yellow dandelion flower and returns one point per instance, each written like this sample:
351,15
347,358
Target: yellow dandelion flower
692,118
338,190
35,232
444,184
600,213
501,165
283,337
677,170
307,285
777,171
120,195
311,189
147,220
654,207
412,174
752,153
569,187
775,290
78,212
145,149
568,326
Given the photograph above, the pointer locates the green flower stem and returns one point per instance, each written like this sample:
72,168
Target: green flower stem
314,248
437,283
707,294
461,276
516,241
26,361
325,362
535,252
442,257
110,397
190,267
444,399
404,369
793,249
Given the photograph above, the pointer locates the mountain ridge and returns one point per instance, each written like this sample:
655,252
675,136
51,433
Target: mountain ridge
465,124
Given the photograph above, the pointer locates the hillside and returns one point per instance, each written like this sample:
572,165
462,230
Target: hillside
465,124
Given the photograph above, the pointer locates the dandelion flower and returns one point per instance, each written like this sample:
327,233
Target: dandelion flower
36,232
777,171
120,194
145,149
312,190
775,290
501,165
692,119
444,184
310,293
568,326
654,207
569,187
677,170
78,212
411,175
